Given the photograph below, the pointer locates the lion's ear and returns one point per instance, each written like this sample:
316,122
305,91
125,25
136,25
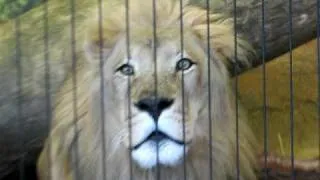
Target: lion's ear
102,33
94,52
98,44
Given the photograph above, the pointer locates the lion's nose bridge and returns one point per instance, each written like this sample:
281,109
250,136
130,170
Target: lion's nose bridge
163,86
143,89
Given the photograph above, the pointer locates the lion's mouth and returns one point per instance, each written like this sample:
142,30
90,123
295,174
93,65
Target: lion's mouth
158,136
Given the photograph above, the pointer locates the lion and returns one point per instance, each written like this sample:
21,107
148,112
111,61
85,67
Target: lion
151,114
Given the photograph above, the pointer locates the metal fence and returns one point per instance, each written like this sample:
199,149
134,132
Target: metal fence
104,118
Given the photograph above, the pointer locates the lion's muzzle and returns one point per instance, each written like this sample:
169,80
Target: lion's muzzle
157,130
154,106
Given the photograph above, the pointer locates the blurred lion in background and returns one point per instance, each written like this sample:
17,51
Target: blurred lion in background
176,107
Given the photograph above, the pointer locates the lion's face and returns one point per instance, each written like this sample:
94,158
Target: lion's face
165,99
162,120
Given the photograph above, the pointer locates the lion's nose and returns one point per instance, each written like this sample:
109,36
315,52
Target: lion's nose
154,106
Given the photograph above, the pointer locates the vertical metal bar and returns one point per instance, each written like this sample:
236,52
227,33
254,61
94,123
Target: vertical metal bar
182,90
129,85
209,88
47,79
74,83
155,71
101,62
236,88
318,61
291,92
19,96
266,129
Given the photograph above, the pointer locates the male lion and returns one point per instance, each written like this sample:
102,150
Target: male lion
157,108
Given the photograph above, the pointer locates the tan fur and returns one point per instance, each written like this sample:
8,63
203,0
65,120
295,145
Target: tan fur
62,139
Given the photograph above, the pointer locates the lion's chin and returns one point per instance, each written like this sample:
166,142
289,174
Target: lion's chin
169,153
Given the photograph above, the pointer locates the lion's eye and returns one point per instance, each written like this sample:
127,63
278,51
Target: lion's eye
126,69
184,64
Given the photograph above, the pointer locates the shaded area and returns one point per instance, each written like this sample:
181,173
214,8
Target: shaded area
30,174
12,8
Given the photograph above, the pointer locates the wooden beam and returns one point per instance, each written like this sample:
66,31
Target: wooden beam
275,40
